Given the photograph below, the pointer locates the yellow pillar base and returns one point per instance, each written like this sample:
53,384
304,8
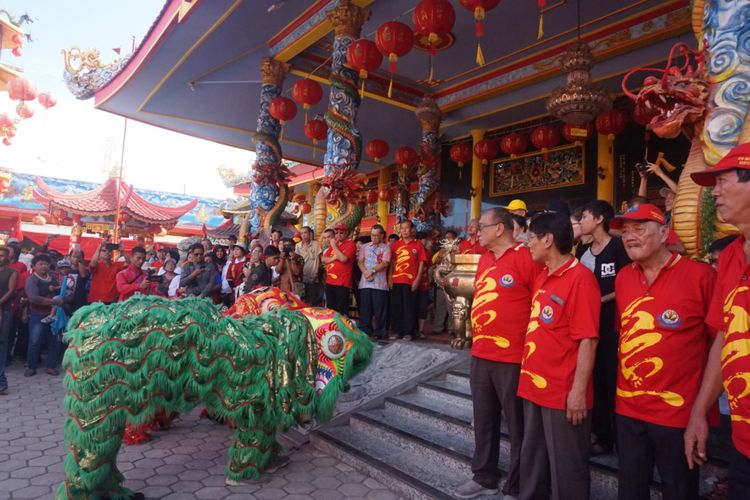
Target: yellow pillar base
476,176
605,172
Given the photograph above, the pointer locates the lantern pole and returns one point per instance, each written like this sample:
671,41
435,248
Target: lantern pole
476,176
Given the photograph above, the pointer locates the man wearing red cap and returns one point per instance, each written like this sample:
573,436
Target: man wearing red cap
662,300
339,260
729,359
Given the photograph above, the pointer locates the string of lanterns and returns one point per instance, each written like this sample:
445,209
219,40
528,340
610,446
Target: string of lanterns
25,92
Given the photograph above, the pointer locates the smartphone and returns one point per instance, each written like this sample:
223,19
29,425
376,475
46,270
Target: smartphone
112,246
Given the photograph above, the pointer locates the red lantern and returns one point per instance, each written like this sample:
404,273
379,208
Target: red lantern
7,141
376,149
24,111
641,115
47,100
363,56
514,144
372,197
611,123
406,156
17,40
395,40
21,89
307,92
5,121
545,137
305,208
434,20
17,51
577,134
385,194
486,150
479,8
461,154
10,131
316,130
283,109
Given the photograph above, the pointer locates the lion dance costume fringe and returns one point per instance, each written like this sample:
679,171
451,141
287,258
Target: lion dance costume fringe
130,360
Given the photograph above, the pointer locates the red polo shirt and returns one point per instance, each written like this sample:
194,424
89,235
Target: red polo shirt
466,246
103,285
730,312
340,273
664,341
502,303
564,310
406,259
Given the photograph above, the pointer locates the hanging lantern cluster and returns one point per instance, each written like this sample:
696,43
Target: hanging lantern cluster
24,91
479,8
364,57
377,149
17,45
514,144
545,137
393,39
580,100
7,128
307,92
461,154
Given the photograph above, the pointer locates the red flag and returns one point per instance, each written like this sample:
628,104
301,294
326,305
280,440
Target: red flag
16,232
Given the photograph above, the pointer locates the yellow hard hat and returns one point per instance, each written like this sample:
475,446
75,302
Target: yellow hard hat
517,205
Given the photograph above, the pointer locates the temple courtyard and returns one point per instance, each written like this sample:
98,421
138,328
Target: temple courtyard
185,462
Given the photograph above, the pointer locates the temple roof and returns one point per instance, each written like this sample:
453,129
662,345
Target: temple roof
102,201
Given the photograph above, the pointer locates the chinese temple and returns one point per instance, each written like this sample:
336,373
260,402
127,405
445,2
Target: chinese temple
11,37
396,97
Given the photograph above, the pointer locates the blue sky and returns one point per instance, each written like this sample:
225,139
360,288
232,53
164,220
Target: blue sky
73,140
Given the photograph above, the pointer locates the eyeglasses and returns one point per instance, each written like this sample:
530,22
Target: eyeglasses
482,226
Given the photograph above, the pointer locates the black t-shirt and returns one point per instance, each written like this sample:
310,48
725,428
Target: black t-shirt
607,264
260,275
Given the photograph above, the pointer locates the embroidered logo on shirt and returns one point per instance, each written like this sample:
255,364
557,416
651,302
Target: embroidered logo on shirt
548,314
608,269
670,319
507,281
414,251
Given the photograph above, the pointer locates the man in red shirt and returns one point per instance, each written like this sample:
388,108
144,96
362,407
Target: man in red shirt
132,280
339,259
729,359
662,300
103,286
471,243
499,317
408,261
558,359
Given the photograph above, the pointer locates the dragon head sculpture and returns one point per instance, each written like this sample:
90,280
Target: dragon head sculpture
676,101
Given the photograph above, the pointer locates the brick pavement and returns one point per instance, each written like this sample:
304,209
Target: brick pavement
185,462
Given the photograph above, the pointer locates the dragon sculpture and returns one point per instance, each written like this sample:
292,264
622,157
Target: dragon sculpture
706,99
339,200
430,204
85,73
130,360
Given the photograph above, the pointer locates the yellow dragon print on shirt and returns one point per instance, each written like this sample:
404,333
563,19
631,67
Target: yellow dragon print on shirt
736,346
484,295
402,264
539,381
638,333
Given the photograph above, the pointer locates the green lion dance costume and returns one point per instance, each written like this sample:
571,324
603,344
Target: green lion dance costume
262,374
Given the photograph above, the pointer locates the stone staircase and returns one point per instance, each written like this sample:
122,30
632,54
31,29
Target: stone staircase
420,442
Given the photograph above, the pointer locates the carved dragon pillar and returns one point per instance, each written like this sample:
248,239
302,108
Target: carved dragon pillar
341,185
429,206
269,193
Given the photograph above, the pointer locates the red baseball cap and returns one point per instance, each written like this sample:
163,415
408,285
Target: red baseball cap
644,212
737,157
341,226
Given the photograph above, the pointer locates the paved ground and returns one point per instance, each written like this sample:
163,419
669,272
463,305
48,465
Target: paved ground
185,462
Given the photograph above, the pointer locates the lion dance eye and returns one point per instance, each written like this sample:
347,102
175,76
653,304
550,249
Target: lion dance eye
333,344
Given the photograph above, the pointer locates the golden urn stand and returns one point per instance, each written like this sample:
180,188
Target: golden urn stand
455,273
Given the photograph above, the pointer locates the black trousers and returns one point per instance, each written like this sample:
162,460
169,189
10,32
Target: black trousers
403,309
739,477
372,310
605,386
493,392
337,298
554,455
643,445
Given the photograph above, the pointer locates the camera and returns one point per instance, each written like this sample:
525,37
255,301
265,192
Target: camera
112,246
287,251
641,166
154,279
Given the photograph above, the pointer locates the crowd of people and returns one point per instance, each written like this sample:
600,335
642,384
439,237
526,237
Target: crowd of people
592,333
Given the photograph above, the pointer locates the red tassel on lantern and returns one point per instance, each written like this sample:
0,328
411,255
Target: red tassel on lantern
479,8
